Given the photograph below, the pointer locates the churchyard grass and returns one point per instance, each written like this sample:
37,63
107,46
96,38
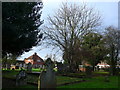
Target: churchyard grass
60,79
34,78
101,72
36,69
64,79
9,74
33,69
29,86
95,82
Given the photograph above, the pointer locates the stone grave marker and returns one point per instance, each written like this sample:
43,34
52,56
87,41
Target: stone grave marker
29,67
21,78
47,79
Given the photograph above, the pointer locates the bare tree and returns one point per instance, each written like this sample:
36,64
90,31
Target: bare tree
66,28
113,44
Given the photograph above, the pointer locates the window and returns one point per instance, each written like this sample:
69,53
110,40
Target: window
38,61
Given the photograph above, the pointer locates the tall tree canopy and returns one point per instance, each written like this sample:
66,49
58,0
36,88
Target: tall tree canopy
68,25
20,22
93,45
112,36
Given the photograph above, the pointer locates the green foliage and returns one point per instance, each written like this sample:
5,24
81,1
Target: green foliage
94,45
20,22
112,36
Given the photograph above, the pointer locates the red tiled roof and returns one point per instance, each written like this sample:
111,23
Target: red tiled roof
35,57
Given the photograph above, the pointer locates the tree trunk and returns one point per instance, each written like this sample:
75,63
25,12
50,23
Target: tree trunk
93,68
112,62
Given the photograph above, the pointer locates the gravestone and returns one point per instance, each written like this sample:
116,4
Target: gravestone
88,71
29,67
47,79
21,78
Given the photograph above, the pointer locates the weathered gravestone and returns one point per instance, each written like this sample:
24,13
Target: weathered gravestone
47,79
29,67
88,71
21,78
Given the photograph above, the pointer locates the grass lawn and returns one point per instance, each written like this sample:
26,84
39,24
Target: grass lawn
60,79
9,73
64,79
34,78
33,69
100,72
96,82
36,70
76,74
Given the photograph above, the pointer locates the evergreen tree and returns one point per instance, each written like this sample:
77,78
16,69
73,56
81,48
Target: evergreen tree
20,22
93,45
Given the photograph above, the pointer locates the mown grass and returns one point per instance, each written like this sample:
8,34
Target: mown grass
95,82
101,72
64,79
33,69
9,73
34,78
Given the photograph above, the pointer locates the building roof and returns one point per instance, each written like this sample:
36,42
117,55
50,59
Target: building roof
102,63
34,57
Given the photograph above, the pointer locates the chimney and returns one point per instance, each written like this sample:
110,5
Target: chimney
35,53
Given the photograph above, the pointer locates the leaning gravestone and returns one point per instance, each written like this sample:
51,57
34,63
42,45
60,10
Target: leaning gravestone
88,71
29,67
47,78
21,78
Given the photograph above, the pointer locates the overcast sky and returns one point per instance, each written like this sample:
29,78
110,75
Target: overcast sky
108,10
